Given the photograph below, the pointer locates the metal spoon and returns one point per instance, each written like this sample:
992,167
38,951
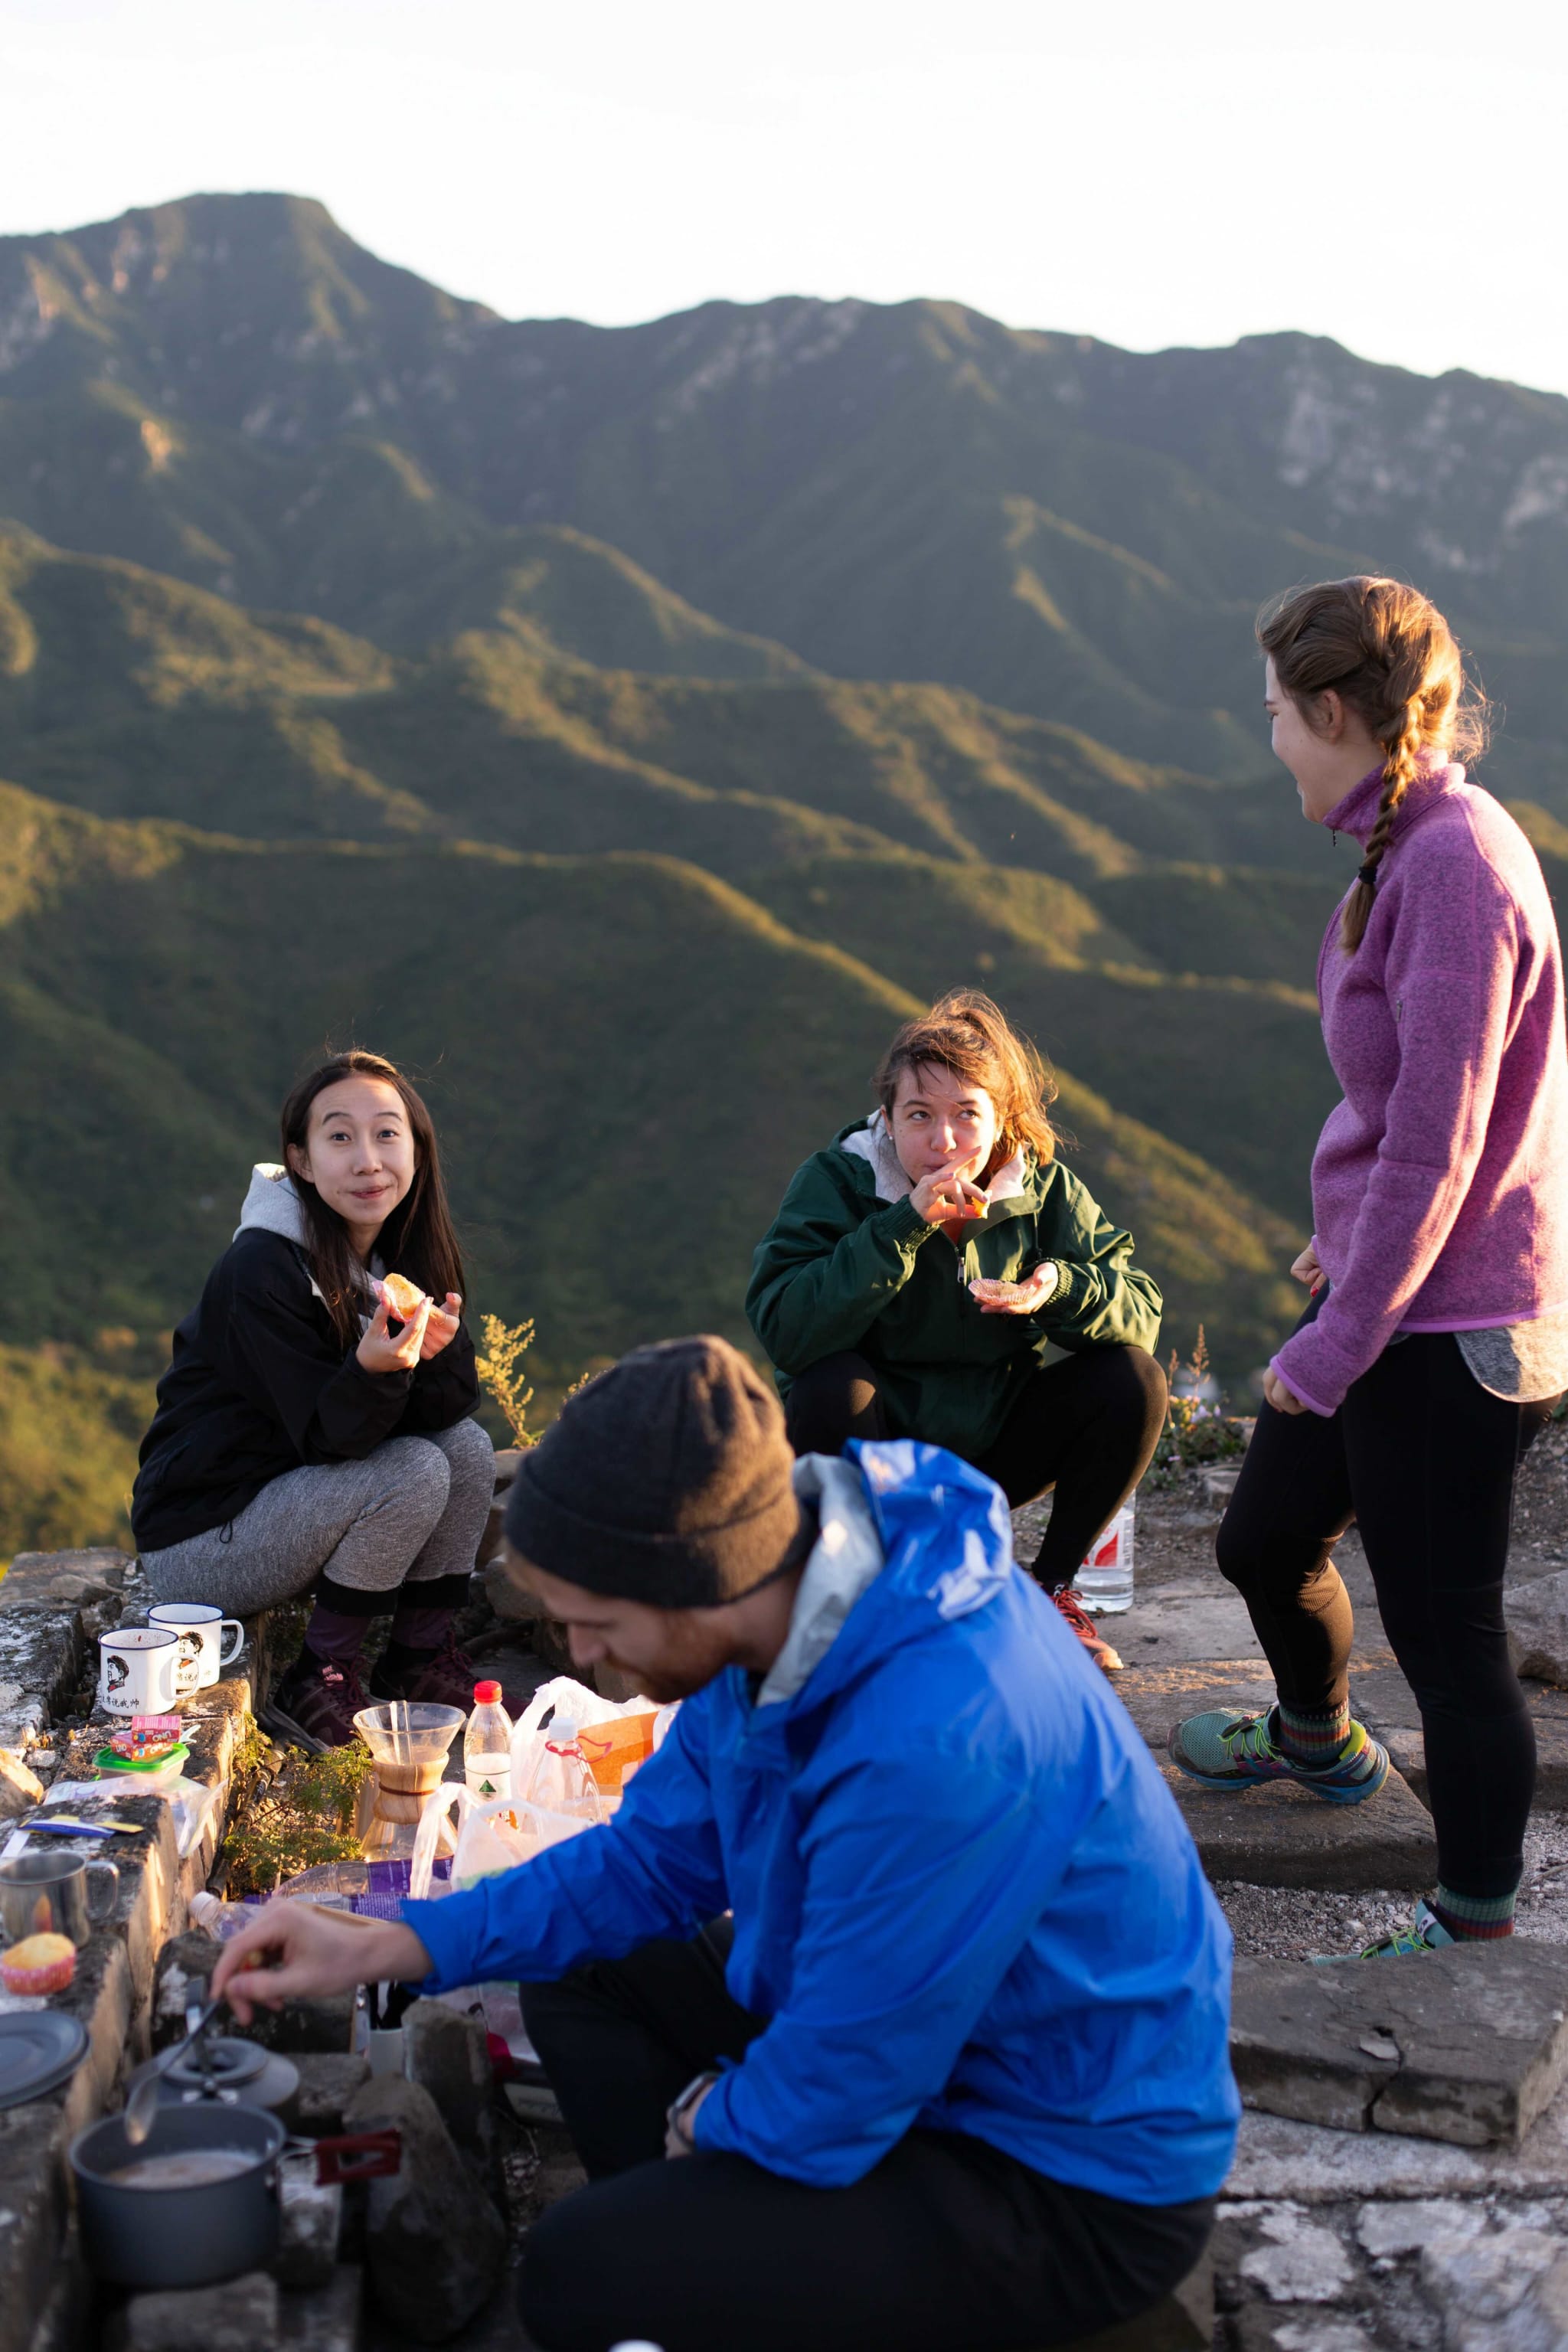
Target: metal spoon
142,2106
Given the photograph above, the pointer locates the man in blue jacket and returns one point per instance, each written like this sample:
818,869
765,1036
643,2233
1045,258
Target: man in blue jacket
956,2073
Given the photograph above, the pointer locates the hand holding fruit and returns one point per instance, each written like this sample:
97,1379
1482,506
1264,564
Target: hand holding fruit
382,1350
946,1195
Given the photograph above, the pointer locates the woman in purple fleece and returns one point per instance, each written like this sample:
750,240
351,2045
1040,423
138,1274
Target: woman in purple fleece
1435,1341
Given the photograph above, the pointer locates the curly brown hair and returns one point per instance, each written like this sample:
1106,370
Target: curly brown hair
969,1035
1393,659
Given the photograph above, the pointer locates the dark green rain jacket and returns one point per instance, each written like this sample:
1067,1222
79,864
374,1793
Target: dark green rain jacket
843,1266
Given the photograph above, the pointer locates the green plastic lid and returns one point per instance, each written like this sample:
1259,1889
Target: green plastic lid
107,1760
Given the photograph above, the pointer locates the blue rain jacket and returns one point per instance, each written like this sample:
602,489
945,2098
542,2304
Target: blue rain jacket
963,1898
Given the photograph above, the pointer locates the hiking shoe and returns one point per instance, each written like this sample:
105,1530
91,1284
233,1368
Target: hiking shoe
443,1677
1242,1751
1072,1608
1426,1933
315,1703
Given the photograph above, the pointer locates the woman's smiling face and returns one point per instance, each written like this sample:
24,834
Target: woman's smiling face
359,1152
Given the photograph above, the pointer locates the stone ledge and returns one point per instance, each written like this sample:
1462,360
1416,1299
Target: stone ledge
1467,2044
1281,1836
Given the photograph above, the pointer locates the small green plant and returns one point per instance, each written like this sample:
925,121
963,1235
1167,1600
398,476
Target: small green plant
1196,1430
307,1817
501,1374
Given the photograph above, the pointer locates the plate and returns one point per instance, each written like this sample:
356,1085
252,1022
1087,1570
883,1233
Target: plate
38,2052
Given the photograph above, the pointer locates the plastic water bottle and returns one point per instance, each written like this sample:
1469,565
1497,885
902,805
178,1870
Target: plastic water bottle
1104,1582
487,1745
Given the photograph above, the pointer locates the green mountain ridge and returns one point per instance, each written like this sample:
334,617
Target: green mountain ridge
625,728
904,491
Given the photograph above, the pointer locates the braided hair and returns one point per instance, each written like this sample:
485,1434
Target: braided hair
1393,659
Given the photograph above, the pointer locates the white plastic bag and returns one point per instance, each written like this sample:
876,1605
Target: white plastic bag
588,1710
487,1838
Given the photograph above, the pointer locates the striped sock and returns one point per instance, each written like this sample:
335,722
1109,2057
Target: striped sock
1475,1918
1314,1737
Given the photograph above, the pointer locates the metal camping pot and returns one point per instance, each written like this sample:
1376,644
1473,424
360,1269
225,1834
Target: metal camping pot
185,2236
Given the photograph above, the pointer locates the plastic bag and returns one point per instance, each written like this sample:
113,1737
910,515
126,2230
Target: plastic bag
616,1735
488,1838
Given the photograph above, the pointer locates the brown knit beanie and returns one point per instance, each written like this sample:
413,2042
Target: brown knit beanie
666,1480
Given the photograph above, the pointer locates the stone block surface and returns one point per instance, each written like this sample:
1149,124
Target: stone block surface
328,2081
309,2222
240,2315
327,2318
1468,2044
1281,1836
20,1787
447,2053
32,2215
435,2245
1537,1617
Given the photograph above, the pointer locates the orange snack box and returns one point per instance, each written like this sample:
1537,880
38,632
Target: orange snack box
611,1747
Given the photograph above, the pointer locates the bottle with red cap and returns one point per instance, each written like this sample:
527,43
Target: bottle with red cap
487,1745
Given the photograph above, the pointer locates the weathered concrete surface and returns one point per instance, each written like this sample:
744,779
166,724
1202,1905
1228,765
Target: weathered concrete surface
328,2318
240,2315
32,2215
20,1787
1536,1613
328,2081
309,2222
1468,2044
435,2245
447,2053
1281,1836
1180,1621
50,1580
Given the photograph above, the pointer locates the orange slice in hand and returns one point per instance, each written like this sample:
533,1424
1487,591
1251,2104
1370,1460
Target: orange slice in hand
404,1298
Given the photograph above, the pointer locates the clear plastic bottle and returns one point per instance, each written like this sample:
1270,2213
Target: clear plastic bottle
487,1745
562,1780
1104,1582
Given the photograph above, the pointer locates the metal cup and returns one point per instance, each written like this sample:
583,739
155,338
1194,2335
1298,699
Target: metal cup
56,1895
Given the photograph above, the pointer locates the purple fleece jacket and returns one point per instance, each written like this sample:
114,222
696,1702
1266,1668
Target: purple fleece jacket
1440,1183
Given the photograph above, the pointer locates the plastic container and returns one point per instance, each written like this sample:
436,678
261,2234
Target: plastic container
1104,1582
562,1778
487,1745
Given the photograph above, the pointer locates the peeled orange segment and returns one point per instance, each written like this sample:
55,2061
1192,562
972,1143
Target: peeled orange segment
404,1298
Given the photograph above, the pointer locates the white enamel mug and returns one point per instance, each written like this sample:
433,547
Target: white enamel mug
136,1670
198,1630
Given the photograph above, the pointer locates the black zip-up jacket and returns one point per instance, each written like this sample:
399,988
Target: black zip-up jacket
259,1384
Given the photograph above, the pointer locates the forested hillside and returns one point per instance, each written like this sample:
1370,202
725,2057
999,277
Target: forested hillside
626,728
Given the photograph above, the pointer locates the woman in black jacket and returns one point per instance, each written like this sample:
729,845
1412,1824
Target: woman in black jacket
305,1436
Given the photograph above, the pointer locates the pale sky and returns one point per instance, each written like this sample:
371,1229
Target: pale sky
1149,173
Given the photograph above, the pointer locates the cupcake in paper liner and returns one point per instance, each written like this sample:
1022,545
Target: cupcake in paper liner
39,1964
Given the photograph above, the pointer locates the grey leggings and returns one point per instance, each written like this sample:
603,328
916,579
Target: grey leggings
413,1510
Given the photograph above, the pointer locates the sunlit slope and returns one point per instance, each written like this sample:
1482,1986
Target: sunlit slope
230,388
627,1057
1231,1069
131,694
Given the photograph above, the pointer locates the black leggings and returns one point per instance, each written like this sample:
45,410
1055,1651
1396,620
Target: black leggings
1423,1458
1087,1426
946,2242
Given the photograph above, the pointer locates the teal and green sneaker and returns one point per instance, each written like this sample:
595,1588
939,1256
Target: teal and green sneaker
1243,1751
1426,1933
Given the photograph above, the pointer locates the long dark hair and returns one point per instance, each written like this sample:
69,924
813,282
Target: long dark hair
417,1238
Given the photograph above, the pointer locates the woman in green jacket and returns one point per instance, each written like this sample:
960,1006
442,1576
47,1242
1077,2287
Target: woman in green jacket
937,1274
